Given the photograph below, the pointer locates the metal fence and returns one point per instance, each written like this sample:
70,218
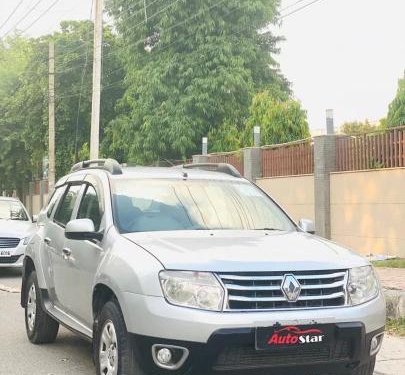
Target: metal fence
371,151
295,158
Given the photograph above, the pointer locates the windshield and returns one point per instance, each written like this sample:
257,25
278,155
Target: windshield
171,205
12,210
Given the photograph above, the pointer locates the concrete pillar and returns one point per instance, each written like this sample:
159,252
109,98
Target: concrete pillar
200,159
252,163
325,163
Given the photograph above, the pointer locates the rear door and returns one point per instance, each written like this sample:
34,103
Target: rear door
60,265
46,234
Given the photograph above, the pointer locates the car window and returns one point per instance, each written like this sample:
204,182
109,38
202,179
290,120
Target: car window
67,205
54,199
12,210
90,207
170,205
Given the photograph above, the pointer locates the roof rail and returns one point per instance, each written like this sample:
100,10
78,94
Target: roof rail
215,167
109,165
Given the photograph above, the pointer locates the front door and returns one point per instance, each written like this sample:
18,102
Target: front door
84,259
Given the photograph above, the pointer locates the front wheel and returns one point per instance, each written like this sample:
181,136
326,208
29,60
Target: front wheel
40,327
114,350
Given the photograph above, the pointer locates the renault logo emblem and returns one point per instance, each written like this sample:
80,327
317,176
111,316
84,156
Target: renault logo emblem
291,288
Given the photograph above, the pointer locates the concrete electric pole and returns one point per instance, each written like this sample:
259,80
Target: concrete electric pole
95,113
51,100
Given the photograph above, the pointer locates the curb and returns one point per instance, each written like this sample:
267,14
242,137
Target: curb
395,303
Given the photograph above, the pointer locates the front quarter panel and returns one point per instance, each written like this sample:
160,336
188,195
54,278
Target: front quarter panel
128,268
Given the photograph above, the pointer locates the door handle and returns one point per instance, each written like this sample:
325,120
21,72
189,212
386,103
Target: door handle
66,252
47,240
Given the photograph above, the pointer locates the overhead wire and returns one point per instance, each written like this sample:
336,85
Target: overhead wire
11,14
45,12
23,18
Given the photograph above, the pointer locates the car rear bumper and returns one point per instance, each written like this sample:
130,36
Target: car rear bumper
233,351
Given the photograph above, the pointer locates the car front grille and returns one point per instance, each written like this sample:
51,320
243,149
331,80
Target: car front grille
263,290
246,357
9,260
9,243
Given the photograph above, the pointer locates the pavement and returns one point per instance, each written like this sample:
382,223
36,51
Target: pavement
393,283
71,355
392,278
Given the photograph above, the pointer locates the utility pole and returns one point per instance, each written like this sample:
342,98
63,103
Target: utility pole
95,113
51,100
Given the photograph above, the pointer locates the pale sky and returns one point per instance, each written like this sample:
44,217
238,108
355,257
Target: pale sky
341,54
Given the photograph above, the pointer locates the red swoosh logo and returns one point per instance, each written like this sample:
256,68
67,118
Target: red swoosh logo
296,331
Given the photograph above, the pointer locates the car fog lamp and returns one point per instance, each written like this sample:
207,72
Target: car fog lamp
164,356
376,343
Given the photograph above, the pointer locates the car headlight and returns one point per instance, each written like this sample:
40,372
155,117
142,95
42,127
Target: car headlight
199,290
26,241
363,285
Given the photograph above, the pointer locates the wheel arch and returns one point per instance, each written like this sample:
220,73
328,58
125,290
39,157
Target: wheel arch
28,268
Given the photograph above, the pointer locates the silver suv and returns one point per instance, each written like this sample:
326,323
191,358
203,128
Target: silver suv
195,270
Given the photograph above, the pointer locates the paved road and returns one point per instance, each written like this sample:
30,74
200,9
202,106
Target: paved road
71,355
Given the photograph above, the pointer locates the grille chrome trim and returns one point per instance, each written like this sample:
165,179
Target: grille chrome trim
280,278
263,292
282,299
9,242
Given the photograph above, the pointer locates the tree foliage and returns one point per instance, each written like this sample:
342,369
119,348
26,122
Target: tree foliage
358,127
396,113
24,100
192,68
281,120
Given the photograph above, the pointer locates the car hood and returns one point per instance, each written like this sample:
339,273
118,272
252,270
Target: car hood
232,251
15,228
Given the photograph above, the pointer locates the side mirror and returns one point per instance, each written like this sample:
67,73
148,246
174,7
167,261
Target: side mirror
34,218
82,229
307,226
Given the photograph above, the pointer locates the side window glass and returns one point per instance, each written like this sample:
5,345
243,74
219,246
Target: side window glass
67,205
55,198
90,207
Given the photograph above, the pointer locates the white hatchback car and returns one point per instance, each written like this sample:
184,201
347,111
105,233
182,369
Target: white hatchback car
16,228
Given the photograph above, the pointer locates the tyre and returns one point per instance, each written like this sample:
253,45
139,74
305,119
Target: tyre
114,350
40,327
366,369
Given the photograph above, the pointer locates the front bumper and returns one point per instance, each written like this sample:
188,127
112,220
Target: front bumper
234,351
14,261
154,317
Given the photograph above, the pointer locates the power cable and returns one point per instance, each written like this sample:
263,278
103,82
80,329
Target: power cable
11,14
23,17
299,9
46,11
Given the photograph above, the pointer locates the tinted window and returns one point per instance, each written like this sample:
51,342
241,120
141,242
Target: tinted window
67,205
90,207
170,205
55,198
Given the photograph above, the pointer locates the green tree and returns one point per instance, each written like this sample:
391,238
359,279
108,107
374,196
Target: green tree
24,99
281,120
396,113
192,69
358,127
